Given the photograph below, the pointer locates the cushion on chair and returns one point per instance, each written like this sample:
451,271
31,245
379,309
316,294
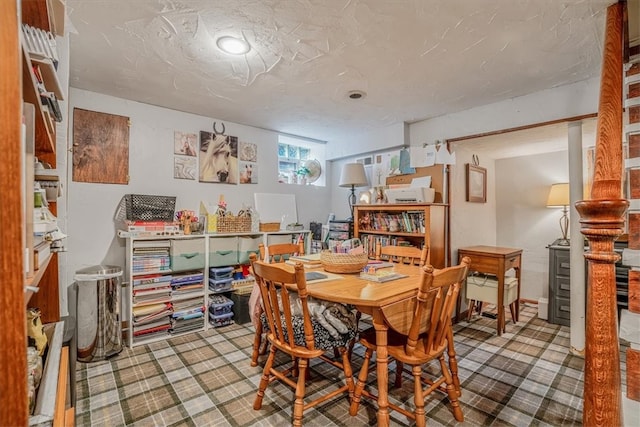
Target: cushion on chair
323,339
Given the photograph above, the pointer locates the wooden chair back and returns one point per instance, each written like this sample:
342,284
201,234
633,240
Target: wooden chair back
426,319
279,252
402,254
272,279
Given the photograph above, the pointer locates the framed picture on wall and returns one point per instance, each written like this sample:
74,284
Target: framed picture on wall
476,184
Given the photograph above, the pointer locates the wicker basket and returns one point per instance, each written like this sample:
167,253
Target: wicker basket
233,224
343,263
269,226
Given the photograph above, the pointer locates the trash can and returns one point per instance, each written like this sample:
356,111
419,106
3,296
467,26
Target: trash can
97,312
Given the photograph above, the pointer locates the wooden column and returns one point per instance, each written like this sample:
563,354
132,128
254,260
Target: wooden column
602,220
13,334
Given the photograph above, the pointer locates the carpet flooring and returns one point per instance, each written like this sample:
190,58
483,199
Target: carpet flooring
526,377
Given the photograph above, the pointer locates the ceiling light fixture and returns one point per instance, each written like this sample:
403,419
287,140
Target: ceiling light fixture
356,94
233,45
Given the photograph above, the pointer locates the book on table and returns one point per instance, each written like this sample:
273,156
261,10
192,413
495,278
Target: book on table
380,278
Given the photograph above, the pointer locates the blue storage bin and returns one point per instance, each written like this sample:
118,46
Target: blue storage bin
222,285
219,304
221,320
220,272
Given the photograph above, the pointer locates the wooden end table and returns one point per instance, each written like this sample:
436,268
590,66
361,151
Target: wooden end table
494,260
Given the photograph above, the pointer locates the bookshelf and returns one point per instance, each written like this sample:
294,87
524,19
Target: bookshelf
411,224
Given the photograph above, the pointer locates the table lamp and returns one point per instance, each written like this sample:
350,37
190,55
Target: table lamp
559,198
353,176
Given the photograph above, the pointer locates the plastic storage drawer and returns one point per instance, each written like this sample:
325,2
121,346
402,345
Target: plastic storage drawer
187,254
221,320
219,304
485,288
223,251
222,285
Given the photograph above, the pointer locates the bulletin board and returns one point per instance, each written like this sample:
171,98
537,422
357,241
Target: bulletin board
273,207
437,173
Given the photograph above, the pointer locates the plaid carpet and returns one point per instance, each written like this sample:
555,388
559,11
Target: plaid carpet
525,377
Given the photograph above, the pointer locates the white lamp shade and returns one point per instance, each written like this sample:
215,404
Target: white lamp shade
558,196
353,174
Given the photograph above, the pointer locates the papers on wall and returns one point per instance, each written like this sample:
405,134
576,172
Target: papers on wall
430,155
423,156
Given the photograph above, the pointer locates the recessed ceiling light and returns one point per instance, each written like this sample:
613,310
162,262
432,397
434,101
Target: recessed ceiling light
356,94
233,45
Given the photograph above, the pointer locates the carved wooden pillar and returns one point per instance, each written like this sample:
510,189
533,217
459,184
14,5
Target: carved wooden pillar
602,220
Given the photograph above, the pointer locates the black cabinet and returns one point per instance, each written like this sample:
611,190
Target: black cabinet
559,287
559,279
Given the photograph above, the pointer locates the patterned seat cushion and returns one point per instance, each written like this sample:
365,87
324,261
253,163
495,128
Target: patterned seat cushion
323,339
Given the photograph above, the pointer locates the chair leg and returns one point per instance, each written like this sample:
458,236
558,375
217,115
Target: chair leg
418,397
298,405
451,390
348,373
453,362
512,308
362,379
257,340
472,306
264,381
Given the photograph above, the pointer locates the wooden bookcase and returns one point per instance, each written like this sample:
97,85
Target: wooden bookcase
414,224
16,87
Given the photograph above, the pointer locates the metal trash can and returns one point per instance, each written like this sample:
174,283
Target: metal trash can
97,312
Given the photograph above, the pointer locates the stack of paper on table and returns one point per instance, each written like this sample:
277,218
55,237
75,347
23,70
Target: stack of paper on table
308,261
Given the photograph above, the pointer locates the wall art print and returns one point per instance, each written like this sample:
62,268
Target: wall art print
248,163
185,144
185,167
100,147
218,158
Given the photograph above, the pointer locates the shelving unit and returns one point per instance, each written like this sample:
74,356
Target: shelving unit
166,287
156,267
412,224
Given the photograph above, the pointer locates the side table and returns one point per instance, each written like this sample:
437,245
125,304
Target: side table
494,260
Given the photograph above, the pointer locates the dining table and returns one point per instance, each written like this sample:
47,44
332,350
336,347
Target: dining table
370,297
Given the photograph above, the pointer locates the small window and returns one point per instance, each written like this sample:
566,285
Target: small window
300,161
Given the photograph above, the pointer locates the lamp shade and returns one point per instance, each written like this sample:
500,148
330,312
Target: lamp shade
558,195
353,175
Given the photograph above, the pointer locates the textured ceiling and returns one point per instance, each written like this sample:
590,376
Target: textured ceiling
415,59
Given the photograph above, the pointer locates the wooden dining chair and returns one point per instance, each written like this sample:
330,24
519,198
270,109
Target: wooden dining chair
278,252
420,331
402,254
294,332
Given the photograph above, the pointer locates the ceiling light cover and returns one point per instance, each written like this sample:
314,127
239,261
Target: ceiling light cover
233,45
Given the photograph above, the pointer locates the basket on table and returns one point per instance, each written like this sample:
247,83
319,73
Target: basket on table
343,263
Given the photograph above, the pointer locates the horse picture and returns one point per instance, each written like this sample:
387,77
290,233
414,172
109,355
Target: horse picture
218,158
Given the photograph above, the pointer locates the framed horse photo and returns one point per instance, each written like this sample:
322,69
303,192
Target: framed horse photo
476,184
218,158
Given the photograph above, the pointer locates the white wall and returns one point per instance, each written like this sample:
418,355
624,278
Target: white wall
523,220
91,207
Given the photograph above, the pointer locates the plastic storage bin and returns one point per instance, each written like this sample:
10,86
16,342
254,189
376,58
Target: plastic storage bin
220,305
221,285
248,245
221,320
220,272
